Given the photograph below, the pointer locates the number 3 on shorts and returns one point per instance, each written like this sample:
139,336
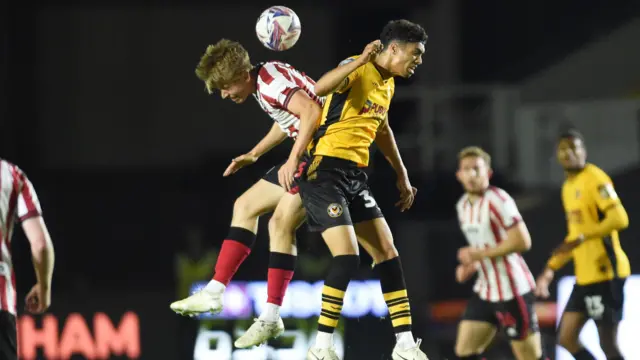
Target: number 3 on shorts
369,201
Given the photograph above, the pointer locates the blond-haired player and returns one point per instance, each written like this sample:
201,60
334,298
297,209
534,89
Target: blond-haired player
287,96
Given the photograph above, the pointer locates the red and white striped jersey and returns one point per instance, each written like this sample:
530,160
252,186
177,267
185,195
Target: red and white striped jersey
18,201
485,224
275,85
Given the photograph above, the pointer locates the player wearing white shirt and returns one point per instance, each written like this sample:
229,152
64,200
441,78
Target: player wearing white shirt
503,294
287,96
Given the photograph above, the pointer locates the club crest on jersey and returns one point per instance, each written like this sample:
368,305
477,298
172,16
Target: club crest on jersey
607,192
334,210
372,108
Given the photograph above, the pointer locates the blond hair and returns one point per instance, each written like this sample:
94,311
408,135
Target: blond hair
222,64
475,151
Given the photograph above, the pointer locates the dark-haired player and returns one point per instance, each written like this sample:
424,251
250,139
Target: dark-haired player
594,216
334,188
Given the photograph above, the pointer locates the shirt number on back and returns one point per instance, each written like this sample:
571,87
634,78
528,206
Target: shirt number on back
369,201
595,307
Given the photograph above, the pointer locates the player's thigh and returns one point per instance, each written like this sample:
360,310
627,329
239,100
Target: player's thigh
474,337
477,327
261,198
529,348
286,219
376,239
612,294
571,324
8,337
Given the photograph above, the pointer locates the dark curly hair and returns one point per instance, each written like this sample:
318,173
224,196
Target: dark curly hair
402,31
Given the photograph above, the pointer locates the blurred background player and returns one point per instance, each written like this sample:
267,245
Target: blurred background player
287,96
504,292
334,188
19,201
594,215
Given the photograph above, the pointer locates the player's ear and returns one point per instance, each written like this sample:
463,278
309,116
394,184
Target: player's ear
459,175
490,173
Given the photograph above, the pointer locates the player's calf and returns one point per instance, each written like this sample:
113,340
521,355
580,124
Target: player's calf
343,268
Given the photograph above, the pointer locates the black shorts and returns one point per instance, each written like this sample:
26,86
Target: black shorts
272,175
516,317
335,192
8,337
602,302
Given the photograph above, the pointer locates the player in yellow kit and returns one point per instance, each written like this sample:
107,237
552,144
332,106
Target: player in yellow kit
594,215
333,185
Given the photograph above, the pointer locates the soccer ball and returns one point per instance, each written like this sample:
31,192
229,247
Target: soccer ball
278,28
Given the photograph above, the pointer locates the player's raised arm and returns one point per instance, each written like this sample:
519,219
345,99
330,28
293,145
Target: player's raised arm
274,137
29,212
341,78
309,113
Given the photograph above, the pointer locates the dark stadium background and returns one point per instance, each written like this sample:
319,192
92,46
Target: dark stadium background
100,106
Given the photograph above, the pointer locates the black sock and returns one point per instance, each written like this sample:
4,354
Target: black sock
583,354
395,295
343,268
619,357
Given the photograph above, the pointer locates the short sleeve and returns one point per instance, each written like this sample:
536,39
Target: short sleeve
352,78
28,203
602,190
277,85
505,209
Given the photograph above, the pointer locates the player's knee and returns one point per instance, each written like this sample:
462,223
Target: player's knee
568,341
465,352
280,223
243,207
385,251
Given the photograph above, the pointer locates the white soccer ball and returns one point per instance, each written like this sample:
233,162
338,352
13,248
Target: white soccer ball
278,28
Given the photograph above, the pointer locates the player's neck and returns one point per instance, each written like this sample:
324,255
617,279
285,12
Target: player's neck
382,64
569,173
472,197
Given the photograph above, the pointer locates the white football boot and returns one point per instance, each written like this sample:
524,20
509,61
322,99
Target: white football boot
315,353
203,301
259,333
413,353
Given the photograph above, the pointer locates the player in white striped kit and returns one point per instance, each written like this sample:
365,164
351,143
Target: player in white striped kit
287,96
503,293
19,202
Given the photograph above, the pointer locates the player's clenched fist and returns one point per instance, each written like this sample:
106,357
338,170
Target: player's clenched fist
370,51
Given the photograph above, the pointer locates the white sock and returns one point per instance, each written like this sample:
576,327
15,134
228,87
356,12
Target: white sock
405,340
215,287
271,313
324,340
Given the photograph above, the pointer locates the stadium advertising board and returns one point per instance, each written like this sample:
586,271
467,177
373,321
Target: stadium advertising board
244,300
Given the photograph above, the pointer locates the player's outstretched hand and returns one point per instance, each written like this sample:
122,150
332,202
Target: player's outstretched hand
38,300
287,174
407,193
370,51
238,163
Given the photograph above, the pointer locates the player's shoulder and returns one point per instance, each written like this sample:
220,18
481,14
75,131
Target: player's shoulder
498,194
595,173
